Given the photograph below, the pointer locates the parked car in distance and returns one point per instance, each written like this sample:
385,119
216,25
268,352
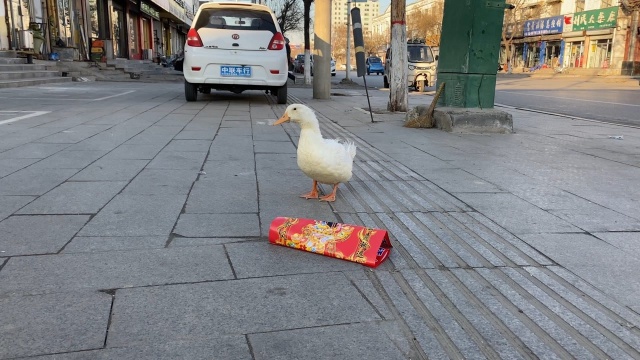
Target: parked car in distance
333,67
374,65
298,63
235,47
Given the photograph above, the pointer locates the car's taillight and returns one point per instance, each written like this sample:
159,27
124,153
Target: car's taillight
277,42
193,38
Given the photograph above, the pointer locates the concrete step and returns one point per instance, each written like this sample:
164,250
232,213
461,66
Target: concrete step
17,75
32,82
25,67
8,54
8,60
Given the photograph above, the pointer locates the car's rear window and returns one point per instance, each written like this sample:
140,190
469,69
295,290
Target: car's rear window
235,19
374,60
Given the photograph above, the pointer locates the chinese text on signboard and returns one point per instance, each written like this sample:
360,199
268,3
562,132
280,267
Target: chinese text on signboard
552,25
595,19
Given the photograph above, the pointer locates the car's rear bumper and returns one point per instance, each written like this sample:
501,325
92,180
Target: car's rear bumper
263,65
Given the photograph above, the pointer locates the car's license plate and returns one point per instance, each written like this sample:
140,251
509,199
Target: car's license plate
235,71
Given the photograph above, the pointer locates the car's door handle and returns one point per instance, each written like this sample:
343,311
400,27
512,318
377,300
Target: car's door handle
235,44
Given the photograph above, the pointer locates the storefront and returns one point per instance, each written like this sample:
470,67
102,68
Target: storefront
589,37
542,43
149,17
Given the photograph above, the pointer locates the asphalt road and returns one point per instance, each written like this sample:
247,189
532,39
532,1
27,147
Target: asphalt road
614,100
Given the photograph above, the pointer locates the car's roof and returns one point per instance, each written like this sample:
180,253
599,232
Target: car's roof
241,5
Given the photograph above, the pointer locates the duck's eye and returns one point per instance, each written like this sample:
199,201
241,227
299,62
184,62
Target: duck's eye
295,108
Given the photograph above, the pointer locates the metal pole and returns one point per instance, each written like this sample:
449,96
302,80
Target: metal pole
348,40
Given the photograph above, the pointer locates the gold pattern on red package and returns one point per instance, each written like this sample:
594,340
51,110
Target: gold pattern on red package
355,243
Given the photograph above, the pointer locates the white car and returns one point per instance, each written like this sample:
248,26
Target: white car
235,47
333,66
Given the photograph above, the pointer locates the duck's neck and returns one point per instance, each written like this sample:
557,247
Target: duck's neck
310,129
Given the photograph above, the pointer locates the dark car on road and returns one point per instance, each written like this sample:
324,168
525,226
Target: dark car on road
374,65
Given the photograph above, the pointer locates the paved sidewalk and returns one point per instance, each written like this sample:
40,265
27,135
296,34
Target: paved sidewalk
136,229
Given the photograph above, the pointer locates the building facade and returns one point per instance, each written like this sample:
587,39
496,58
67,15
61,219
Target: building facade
98,29
578,34
340,10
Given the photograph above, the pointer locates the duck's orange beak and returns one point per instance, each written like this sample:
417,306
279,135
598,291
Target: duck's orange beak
282,119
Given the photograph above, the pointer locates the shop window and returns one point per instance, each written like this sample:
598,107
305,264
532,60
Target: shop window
599,53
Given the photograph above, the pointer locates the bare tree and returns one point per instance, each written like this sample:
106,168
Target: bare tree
289,14
513,23
339,42
426,23
374,43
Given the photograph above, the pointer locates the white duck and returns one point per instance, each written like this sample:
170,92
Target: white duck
326,161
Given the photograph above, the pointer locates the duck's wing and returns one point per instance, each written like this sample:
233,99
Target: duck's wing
338,147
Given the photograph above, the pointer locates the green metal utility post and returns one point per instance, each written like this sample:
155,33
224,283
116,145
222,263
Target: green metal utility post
469,49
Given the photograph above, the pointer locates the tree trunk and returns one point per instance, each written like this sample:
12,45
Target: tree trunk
398,75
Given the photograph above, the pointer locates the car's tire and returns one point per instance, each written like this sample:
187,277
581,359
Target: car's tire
368,73
281,94
190,91
333,74
206,90
385,83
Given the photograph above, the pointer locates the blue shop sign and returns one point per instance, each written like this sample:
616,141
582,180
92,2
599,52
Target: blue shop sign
551,25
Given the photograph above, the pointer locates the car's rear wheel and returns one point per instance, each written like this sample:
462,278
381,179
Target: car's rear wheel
281,94
190,91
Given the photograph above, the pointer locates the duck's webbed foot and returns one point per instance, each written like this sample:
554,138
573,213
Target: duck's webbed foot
332,196
313,194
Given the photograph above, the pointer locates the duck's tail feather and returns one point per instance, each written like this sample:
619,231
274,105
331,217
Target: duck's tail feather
351,148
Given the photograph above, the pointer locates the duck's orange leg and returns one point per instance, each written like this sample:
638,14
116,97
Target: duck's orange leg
332,196
313,194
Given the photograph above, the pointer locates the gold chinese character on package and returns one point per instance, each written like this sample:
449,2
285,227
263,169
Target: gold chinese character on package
355,243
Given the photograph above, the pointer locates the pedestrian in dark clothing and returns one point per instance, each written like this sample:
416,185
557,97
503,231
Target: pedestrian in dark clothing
289,64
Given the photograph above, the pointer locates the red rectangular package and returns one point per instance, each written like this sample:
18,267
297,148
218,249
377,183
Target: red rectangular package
355,243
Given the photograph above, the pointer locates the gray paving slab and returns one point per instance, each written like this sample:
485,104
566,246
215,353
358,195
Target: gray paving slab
515,214
81,244
69,159
364,341
274,147
218,225
217,195
33,181
188,145
149,315
175,160
38,234
162,181
111,270
136,215
9,204
74,134
44,324
195,135
32,151
135,151
229,168
259,259
277,161
222,347
179,241
75,198
111,170
8,166
593,218
629,242
605,266
456,180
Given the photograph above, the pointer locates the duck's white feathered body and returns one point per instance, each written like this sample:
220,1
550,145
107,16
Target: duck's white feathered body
326,161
